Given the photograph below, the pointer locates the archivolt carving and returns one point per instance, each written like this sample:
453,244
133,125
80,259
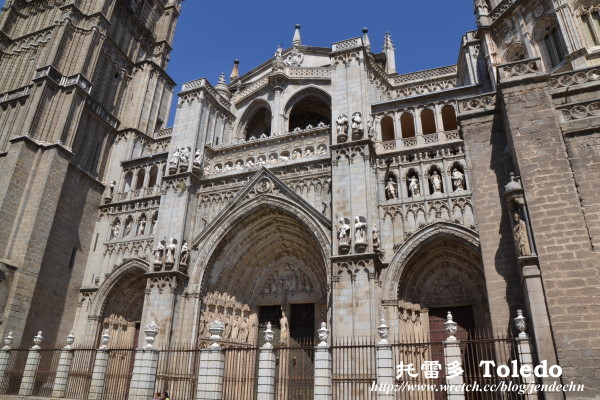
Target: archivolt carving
392,274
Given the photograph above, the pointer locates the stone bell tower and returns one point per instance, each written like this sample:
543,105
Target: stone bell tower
76,77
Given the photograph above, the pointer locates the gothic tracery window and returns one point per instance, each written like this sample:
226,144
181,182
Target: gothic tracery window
590,17
551,42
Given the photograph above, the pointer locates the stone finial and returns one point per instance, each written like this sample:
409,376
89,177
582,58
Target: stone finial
450,327
365,38
216,329
390,54
513,185
323,335
268,337
521,324
70,340
151,330
8,341
104,340
296,41
221,78
37,340
383,331
235,72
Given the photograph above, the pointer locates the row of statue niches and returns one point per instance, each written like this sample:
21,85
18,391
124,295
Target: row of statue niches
360,235
354,125
180,160
297,154
131,229
166,253
436,184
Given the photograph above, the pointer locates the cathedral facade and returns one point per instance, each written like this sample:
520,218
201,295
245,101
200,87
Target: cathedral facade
319,186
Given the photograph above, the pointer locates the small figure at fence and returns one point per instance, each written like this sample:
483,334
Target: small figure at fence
156,396
165,396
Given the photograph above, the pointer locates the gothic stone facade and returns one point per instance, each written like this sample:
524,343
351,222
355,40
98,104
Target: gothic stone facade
318,186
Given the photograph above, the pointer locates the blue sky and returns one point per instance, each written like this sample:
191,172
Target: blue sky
211,34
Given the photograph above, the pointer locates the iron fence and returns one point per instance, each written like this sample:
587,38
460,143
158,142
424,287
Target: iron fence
118,373
295,376
177,373
14,372
353,368
240,375
46,372
80,376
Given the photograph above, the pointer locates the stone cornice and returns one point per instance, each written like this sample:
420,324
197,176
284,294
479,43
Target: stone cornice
190,89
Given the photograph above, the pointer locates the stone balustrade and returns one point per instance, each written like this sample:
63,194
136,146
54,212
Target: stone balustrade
418,141
519,69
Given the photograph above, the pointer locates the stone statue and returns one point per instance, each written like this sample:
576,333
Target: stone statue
521,236
272,159
458,179
295,155
184,257
249,163
284,335
360,230
197,159
321,150
413,186
158,253
227,168
261,161
238,165
111,190
184,157
357,123
375,237
174,160
390,189
115,230
207,170
279,54
171,248
142,227
308,153
153,226
342,124
128,226
436,182
344,232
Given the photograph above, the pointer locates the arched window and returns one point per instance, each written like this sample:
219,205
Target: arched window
428,121
309,107
153,176
449,118
127,182
515,52
258,124
590,16
387,129
550,41
407,124
140,179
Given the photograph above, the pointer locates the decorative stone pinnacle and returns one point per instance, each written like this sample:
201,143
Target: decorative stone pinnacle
323,334
235,72
70,340
216,329
451,328
222,78
37,340
365,37
365,30
104,339
151,330
296,41
383,331
513,185
521,324
8,341
268,336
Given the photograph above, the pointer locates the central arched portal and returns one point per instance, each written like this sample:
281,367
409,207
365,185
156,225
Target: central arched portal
269,267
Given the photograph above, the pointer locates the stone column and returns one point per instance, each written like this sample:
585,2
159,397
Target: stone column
266,368
323,366
33,360
99,371
64,367
453,362
5,356
525,354
385,364
212,364
145,366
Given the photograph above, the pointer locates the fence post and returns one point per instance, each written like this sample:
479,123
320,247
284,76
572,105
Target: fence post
33,360
525,354
266,368
385,364
99,371
323,366
64,367
145,366
212,365
5,356
453,362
